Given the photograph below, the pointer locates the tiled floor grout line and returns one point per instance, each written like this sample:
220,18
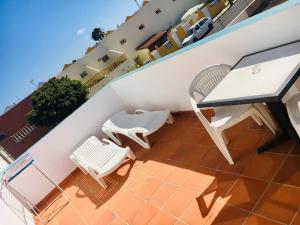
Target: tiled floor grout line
115,213
189,166
267,187
241,174
229,172
181,186
118,216
298,210
294,217
267,218
147,201
162,208
213,169
78,213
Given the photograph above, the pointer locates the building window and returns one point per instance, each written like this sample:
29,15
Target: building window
142,26
168,45
158,11
174,0
83,74
105,58
22,133
123,41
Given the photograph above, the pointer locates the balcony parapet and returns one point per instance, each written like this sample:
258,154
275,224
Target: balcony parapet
112,66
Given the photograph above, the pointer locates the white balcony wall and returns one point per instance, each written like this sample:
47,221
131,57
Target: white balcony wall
162,84
52,152
165,83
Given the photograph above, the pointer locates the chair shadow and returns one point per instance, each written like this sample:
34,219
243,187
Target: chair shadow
90,188
203,207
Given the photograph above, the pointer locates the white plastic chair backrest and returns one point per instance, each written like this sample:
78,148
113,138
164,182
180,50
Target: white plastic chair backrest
203,84
94,153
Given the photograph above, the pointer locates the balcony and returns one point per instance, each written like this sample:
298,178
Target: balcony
93,80
182,179
116,68
113,65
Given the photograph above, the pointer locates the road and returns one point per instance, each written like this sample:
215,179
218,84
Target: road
228,15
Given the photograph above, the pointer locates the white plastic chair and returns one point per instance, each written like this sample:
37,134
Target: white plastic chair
293,108
99,159
142,122
228,116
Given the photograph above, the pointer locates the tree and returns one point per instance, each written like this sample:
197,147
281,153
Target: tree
56,100
97,34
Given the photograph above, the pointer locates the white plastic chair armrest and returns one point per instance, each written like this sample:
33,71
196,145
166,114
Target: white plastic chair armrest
111,143
140,111
106,141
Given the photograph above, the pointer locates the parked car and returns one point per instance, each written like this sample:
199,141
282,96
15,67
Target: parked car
198,30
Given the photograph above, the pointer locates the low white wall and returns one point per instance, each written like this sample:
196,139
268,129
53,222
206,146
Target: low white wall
52,152
165,83
162,84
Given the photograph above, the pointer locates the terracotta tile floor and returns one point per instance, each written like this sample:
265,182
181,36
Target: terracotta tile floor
184,179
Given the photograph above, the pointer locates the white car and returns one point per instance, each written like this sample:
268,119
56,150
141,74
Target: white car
197,31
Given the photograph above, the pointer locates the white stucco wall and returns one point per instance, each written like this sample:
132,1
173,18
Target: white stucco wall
162,84
171,13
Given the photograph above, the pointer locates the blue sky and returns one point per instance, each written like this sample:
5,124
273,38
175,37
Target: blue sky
37,37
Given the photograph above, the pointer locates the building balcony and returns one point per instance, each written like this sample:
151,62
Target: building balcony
93,80
183,178
99,79
113,65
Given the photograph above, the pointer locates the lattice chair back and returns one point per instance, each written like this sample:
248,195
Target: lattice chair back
203,84
208,79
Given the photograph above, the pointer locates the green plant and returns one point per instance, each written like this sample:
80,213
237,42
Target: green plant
56,100
97,34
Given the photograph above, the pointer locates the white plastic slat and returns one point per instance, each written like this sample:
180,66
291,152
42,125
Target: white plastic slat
95,153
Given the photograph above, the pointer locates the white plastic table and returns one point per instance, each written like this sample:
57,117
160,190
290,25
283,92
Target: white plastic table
264,76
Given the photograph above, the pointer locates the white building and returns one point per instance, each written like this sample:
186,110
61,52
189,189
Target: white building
117,54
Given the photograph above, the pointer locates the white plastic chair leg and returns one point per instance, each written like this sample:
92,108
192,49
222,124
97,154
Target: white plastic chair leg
102,182
225,138
130,154
263,111
112,136
257,120
267,123
170,119
145,143
99,180
218,139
